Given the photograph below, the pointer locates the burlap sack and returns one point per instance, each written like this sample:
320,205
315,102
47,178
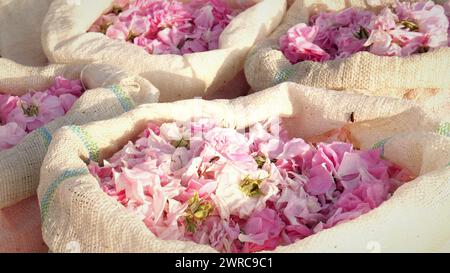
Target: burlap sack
65,40
110,92
413,77
20,30
76,212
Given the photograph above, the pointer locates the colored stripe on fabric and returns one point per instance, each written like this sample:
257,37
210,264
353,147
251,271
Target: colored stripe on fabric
46,135
88,142
49,194
444,129
125,101
283,75
381,145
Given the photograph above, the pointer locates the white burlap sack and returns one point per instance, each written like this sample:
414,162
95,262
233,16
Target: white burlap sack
20,30
413,77
416,218
65,40
110,92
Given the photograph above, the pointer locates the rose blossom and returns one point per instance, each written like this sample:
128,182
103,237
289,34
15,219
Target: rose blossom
262,231
20,115
10,135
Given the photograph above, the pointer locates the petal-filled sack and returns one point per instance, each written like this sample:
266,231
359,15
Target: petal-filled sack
20,30
407,133
71,32
36,101
385,48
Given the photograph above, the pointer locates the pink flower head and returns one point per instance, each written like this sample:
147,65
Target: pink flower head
167,27
292,233
447,13
297,206
320,180
386,20
7,104
230,144
119,31
36,110
24,114
218,233
331,155
380,43
205,17
297,154
262,231
267,138
297,45
430,19
11,134
232,199
64,86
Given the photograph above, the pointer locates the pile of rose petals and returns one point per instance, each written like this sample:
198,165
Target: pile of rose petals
167,27
20,115
243,191
401,30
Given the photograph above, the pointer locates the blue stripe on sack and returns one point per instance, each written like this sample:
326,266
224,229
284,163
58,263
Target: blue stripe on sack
49,194
125,101
46,135
87,141
444,129
381,145
283,75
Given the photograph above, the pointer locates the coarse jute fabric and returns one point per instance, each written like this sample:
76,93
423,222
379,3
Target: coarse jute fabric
202,74
20,30
110,92
75,211
413,77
